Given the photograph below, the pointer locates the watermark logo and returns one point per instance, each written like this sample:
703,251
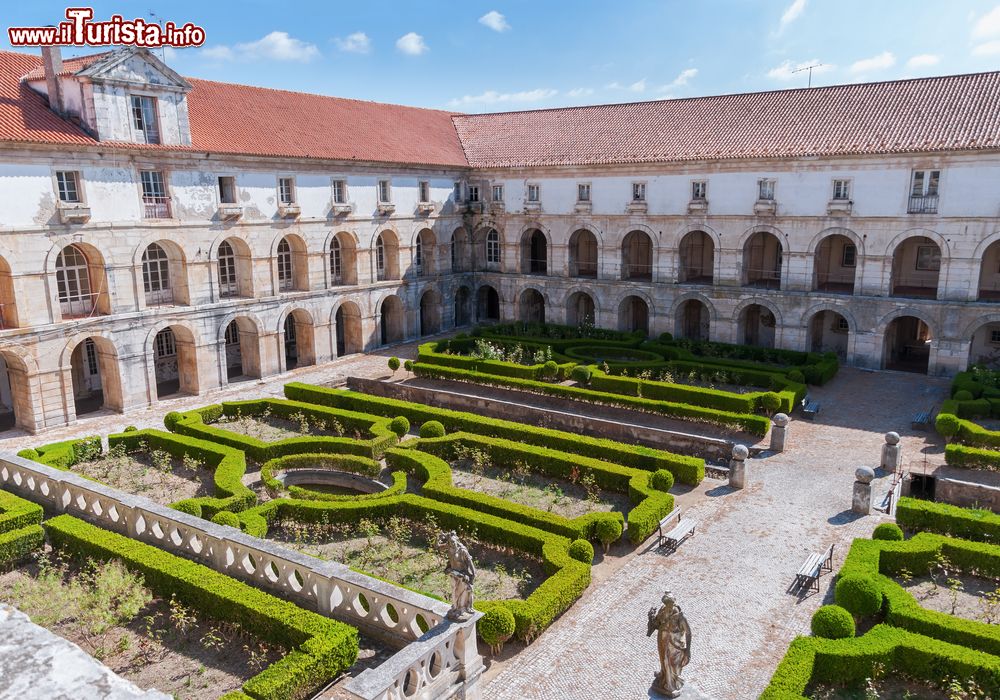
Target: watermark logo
79,29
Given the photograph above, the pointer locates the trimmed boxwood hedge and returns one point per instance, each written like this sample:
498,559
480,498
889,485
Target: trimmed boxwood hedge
567,577
686,470
345,463
945,519
20,529
320,648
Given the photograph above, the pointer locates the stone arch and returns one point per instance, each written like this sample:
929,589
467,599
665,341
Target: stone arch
342,258
584,253
835,265
905,338
825,333
635,312
18,390
429,312
292,263
172,351
758,323
8,300
462,311
234,274
488,303
581,308
240,336
425,252
461,250
763,254
531,305
638,254
586,224
765,228
92,390
912,273
983,350
536,250
346,320
988,254
164,280
693,316
392,319
81,288
297,331
857,240
916,232
696,256
385,255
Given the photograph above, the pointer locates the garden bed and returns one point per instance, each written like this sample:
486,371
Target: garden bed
269,428
961,595
154,474
883,689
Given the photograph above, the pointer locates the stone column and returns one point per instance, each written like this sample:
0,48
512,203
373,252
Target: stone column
892,453
737,467
779,426
862,500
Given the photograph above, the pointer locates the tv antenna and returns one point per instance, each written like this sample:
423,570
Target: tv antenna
810,69
159,20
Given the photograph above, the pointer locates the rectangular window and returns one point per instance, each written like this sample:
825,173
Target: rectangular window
699,189
227,190
638,191
69,186
384,192
473,193
925,182
497,193
841,189
534,193
286,190
165,345
583,192
144,120
850,258
493,248
842,324
92,366
232,334
995,337
425,191
458,192
154,194
928,258
340,192
765,190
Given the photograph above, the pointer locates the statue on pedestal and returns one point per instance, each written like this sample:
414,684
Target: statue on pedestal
673,642
463,574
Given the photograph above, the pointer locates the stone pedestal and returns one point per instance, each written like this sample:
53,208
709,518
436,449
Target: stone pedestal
892,453
737,467
779,427
862,500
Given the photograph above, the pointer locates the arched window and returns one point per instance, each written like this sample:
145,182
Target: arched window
380,259
73,281
336,267
156,275
493,247
285,278
228,280
418,255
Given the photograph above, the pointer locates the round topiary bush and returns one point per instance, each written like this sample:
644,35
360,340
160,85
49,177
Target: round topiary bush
859,594
550,369
29,453
581,374
770,402
832,622
963,395
607,531
666,337
432,429
888,531
495,627
948,425
393,363
188,507
796,376
399,425
582,550
224,517
130,429
408,365
661,480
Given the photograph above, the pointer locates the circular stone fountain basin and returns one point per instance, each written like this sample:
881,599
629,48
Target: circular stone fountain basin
329,477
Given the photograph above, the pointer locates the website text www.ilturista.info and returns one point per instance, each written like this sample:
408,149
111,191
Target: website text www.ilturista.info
79,29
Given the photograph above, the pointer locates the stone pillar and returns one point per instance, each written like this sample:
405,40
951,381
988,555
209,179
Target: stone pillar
737,467
779,425
862,500
892,453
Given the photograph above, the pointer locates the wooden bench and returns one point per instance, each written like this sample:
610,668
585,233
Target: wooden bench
921,421
811,569
809,408
672,538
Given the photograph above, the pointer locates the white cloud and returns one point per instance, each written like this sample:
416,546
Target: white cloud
358,42
637,86
988,25
411,44
924,60
580,92
276,46
787,70
495,21
493,97
875,63
792,13
989,48
683,77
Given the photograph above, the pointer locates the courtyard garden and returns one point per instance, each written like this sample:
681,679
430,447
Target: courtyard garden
968,420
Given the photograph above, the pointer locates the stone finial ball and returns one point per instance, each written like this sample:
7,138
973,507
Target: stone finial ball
864,474
780,420
892,438
740,452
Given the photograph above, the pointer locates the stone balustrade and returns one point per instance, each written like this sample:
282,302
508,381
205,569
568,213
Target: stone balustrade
430,663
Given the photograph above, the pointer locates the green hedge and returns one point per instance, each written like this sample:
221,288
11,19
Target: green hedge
942,518
63,455
434,353
567,577
320,648
345,463
686,470
20,529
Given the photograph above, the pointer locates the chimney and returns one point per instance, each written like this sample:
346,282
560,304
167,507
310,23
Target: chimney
52,59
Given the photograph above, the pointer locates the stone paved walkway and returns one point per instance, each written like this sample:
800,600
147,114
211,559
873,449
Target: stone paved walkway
731,577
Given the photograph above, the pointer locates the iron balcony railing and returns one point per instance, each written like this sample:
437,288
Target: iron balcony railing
537,266
762,278
923,204
156,207
637,271
583,269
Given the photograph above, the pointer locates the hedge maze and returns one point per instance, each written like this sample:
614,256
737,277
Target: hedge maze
377,438
932,647
675,378
975,394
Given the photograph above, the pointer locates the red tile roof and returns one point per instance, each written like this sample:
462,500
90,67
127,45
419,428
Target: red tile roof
959,112
69,67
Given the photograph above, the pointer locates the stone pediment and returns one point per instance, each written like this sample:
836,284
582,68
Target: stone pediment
135,66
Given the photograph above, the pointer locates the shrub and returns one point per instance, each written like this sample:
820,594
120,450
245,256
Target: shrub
581,374
666,337
963,395
130,429
796,376
408,365
432,429
770,402
948,425
495,627
400,425
887,531
661,480
832,622
859,594
582,550
189,507
393,364
607,531
550,370
224,517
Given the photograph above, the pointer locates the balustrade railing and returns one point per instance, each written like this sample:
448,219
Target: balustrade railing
156,207
80,306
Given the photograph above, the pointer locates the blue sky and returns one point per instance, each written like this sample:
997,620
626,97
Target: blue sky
494,56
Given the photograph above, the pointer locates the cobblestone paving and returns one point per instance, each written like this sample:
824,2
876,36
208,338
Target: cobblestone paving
731,577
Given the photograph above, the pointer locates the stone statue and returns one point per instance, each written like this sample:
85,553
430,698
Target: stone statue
463,574
673,642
